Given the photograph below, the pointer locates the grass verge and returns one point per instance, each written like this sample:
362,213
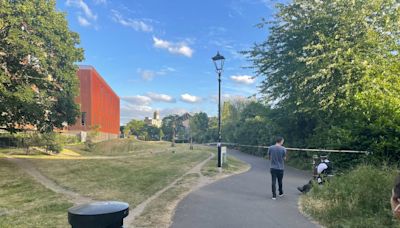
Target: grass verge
232,165
359,198
131,179
128,146
159,212
25,203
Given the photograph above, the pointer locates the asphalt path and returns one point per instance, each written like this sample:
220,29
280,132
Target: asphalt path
244,200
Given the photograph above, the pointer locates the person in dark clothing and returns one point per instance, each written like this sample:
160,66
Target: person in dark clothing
277,155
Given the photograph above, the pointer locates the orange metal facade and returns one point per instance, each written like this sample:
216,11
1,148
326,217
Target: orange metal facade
99,103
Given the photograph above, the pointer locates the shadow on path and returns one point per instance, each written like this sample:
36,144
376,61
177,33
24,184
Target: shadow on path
244,200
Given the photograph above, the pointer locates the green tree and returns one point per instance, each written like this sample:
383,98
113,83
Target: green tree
38,82
331,68
169,123
199,127
167,126
153,133
135,127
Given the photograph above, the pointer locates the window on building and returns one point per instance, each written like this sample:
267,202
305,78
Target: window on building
83,118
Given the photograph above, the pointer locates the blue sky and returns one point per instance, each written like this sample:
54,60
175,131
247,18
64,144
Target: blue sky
156,55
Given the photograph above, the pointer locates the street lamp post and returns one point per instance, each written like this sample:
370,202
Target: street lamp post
219,65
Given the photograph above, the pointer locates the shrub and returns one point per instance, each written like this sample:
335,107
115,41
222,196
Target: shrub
89,144
359,198
52,142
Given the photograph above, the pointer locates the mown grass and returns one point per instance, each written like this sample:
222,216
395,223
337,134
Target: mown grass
129,179
232,165
25,203
159,212
129,146
359,198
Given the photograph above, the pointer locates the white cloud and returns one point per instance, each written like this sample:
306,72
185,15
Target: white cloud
190,98
149,75
175,48
243,79
161,97
137,100
129,112
84,7
136,24
147,99
83,22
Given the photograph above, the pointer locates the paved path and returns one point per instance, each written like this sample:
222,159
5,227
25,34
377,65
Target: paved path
244,200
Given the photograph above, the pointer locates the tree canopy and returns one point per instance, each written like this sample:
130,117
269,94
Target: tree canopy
331,72
38,82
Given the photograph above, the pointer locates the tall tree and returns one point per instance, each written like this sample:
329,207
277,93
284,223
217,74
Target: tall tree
199,127
135,127
331,68
38,82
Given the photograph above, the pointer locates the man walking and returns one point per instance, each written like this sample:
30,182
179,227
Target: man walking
277,155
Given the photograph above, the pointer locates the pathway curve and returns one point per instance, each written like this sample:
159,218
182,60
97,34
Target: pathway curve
244,200
30,169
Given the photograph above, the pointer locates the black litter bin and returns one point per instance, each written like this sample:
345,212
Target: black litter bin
107,214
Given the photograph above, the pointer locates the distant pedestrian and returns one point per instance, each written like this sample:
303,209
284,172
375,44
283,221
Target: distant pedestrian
277,155
395,199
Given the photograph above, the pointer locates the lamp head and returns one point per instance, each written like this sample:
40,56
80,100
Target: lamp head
219,62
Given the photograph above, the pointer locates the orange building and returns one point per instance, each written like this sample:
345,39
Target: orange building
99,106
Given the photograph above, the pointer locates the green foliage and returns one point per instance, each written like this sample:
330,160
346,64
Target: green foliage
199,127
38,82
169,123
48,141
152,133
134,127
359,198
91,138
142,131
331,69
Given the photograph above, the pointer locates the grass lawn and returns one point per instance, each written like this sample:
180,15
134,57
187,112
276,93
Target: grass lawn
158,213
134,171
120,147
25,203
129,179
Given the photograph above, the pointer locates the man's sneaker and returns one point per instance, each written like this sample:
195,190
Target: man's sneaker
281,195
273,198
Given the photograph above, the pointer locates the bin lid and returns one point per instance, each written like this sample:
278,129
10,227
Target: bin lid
99,208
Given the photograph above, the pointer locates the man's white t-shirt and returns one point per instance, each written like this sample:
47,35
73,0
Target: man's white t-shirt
321,167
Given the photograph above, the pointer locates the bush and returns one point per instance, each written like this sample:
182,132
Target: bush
67,139
89,144
52,142
359,198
